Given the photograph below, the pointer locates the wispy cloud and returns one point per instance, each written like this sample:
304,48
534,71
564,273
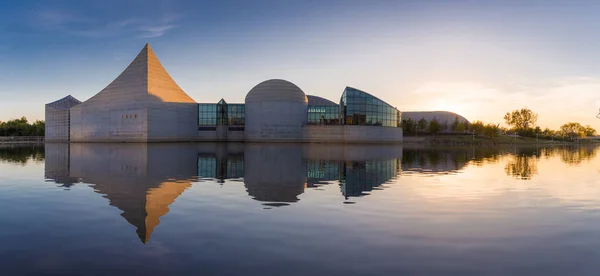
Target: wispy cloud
71,23
156,31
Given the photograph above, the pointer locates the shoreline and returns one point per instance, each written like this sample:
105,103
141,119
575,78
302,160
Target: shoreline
458,140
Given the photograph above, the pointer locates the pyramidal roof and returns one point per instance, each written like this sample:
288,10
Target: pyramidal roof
64,103
144,80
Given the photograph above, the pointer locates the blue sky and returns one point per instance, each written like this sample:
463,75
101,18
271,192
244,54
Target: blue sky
478,58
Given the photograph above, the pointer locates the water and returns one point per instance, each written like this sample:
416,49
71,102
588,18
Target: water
235,209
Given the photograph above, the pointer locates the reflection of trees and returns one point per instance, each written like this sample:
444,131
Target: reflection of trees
21,154
522,167
576,155
571,155
437,160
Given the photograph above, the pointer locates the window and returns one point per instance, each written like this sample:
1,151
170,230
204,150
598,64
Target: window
361,108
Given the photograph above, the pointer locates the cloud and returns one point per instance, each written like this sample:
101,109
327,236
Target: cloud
557,101
71,23
156,31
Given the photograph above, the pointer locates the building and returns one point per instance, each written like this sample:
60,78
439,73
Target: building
443,117
144,104
58,118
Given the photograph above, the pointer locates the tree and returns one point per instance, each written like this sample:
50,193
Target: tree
491,130
460,127
434,126
521,120
589,131
477,127
21,127
422,124
445,126
408,125
572,130
454,125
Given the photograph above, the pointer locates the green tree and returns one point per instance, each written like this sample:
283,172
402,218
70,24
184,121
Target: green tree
422,124
590,131
461,127
477,127
572,130
445,126
491,130
521,120
434,126
454,125
408,125
21,127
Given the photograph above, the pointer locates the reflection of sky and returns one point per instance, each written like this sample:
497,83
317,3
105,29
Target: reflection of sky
499,224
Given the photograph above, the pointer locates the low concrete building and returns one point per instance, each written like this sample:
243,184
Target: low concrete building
58,119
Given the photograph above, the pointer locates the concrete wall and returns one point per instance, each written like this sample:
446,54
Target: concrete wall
57,124
275,121
172,122
221,134
96,123
351,134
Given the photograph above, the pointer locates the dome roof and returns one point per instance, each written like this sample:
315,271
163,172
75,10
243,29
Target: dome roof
276,91
441,116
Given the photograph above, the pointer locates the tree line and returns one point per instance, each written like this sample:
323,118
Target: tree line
22,127
434,126
521,122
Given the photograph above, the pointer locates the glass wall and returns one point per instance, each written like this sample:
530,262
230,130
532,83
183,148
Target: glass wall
207,114
221,113
235,114
360,108
323,115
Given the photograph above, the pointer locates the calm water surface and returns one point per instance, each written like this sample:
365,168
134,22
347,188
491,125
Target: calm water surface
235,209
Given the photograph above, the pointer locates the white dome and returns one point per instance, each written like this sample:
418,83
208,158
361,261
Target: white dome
276,91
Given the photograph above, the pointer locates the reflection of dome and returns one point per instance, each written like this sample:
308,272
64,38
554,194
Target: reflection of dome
274,173
276,91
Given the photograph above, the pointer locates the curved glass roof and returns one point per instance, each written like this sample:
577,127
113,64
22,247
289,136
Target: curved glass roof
316,100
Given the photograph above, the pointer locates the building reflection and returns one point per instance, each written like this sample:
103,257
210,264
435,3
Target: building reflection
143,180
139,179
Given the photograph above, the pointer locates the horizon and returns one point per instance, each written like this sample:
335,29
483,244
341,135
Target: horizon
461,57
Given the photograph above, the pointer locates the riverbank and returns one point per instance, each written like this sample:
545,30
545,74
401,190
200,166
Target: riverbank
484,141
7,140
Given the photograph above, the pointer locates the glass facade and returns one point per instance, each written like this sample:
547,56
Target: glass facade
235,114
360,108
221,113
209,166
364,176
207,114
323,115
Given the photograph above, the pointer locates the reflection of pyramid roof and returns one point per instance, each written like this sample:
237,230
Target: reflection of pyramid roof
145,79
142,205
65,103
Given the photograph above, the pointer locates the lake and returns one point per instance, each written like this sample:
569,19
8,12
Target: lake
294,209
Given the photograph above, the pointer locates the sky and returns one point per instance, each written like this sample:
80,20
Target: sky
477,58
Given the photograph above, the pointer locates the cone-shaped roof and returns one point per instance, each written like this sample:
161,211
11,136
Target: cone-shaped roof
144,80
